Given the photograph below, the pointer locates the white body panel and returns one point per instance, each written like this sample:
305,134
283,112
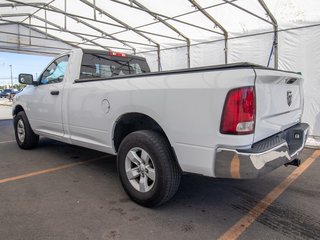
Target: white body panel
187,106
274,114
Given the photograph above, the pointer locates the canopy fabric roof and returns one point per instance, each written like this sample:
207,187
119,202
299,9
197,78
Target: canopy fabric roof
135,26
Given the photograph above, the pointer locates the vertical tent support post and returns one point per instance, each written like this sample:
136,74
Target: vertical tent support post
19,36
94,28
65,16
275,28
216,23
54,37
45,24
273,22
94,10
75,34
226,49
156,16
188,53
159,58
29,31
128,27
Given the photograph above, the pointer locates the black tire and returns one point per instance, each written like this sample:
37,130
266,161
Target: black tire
167,172
30,138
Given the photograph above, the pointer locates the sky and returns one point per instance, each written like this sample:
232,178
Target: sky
21,63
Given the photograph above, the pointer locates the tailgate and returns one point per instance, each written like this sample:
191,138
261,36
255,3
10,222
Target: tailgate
279,101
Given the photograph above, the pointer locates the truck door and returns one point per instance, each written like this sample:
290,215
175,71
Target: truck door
45,109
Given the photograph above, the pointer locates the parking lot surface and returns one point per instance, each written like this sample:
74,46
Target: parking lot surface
5,111
60,191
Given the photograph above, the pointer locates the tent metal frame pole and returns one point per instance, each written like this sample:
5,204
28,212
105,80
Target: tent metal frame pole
95,7
57,10
27,51
22,4
245,36
15,15
54,37
40,7
96,29
19,42
247,11
94,10
45,24
108,48
153,34
177,16
34,4
162,16
43,6
75,34
13,5
36,37
46,38
142,7
61,29
275,28
216,23
35,27
160,35
26,44
30,31
159,59
159,18
65,16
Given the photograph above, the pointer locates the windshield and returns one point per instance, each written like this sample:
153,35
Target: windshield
105,66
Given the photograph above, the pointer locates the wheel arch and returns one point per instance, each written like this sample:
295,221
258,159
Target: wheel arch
17,109
131,122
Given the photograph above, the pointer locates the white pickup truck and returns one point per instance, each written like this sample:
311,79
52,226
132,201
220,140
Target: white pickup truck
230,121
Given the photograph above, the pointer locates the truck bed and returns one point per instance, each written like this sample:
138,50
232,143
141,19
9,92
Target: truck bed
241,65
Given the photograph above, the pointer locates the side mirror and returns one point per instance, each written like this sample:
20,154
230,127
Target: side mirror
25,78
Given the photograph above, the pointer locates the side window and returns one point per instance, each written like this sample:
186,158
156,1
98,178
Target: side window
55,72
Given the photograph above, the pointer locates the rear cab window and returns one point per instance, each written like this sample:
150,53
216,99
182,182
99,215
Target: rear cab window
103,65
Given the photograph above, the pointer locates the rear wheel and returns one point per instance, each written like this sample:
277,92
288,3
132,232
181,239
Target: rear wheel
25,137
147,169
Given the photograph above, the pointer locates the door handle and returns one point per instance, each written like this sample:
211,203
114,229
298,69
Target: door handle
54,92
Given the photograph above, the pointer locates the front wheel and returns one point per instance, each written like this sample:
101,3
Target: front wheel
147,169
25,137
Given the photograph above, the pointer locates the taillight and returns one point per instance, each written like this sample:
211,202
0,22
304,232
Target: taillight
239,112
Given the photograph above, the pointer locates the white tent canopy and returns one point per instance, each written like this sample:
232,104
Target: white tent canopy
145,25
175,34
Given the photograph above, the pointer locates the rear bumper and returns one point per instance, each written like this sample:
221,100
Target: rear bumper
264,156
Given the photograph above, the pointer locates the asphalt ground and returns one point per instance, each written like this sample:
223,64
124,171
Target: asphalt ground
54,192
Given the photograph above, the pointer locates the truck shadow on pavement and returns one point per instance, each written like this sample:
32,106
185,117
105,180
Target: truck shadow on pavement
201,199
199,202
